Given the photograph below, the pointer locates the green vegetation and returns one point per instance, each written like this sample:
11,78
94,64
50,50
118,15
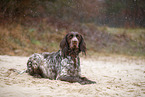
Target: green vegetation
30,26
128,41
17,39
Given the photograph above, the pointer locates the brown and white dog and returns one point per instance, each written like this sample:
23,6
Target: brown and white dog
62,65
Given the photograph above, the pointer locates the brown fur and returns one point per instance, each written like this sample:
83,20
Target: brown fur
62,65
65,45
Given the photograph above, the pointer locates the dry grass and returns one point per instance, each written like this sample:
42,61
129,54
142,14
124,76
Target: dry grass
18,39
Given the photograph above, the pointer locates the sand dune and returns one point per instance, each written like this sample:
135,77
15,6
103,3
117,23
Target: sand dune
116,76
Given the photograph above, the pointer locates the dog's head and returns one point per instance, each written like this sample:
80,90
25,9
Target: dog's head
72,44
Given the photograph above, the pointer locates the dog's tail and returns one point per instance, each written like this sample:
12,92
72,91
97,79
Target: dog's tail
17,71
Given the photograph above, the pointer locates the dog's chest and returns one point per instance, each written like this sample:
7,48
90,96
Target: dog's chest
70,67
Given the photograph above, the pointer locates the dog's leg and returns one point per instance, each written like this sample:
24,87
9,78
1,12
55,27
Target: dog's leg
81,80
70,79
87,81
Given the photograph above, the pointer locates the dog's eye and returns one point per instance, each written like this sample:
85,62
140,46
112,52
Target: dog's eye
77,36
71,36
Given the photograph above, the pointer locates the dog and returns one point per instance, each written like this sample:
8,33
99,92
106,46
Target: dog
62,65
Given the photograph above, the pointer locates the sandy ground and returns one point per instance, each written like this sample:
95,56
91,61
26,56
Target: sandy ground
115,77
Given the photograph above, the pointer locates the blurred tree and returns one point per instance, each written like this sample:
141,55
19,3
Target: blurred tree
102,12
14,8
125,12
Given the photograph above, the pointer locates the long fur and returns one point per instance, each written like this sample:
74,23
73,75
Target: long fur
67,51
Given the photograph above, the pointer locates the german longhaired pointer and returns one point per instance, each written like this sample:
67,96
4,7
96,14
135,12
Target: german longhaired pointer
63,65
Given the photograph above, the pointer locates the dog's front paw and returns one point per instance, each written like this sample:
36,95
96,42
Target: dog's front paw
92,82
87,82
83,83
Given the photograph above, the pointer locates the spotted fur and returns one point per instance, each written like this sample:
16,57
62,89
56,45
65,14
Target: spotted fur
62,65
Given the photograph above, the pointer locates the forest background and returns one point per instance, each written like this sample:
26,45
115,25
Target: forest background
108,26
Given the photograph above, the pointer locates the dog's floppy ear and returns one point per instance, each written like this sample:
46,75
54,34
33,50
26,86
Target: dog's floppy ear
82,45
64,46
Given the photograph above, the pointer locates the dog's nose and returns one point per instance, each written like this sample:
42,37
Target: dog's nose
74,41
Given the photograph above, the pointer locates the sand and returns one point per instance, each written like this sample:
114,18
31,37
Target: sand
116,76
